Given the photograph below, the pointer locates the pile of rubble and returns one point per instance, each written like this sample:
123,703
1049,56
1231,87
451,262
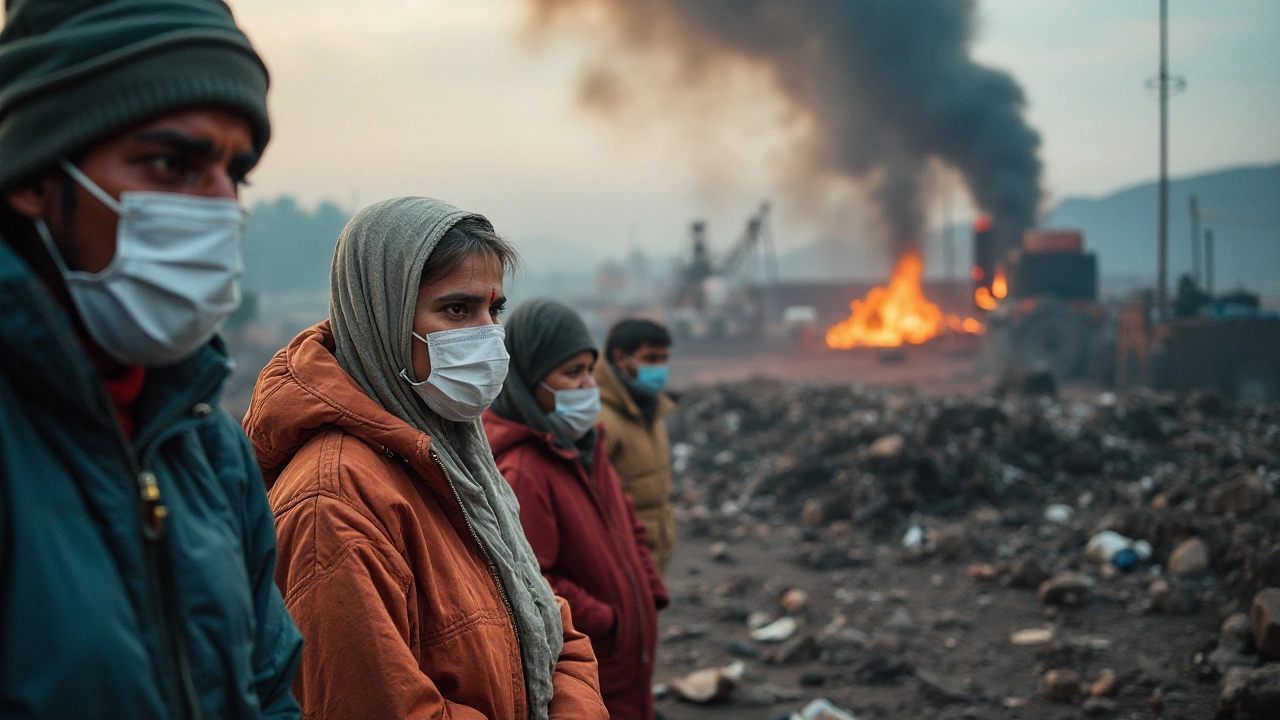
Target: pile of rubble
1173,496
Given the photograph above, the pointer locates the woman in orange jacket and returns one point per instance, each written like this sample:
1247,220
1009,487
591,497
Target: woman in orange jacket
582,526
401,556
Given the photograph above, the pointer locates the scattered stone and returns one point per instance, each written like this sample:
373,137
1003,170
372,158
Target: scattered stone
913,539
766,695
886,452
1098,707
1058,514
823,709
1026,573
951,542
1104,546
710,684
795,601
1171,596
777,631
1265,614
1250,692
1236,631
814,513
813,678
759,619
982,573
939,691
881,668
1241,496
720,552
799,649
1061,685
900,622
1031,636
1068,588
1107,684
742,649
1191,557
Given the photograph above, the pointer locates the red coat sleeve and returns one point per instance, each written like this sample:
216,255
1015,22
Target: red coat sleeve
661,598
538,517
576,680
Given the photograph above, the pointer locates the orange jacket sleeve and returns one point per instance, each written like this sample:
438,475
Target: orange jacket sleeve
576,681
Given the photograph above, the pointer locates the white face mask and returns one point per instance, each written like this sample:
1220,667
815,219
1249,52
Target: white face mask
576,410
468,367
173,281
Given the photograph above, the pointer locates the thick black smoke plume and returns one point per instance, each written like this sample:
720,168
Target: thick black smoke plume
888,85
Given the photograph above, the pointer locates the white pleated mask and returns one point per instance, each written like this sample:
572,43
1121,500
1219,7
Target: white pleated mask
468,367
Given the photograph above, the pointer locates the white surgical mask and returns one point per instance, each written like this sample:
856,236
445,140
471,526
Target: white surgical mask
175,277
576,410
468,367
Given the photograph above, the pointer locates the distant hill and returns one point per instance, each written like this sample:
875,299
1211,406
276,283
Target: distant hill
1241,205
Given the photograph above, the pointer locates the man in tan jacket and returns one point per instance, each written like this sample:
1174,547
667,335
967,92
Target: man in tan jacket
632,407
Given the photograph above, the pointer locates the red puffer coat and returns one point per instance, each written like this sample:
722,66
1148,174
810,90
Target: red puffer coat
592,550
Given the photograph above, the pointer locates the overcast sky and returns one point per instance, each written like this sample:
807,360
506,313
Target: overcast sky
453,98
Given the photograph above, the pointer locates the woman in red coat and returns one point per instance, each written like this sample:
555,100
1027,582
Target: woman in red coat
582,527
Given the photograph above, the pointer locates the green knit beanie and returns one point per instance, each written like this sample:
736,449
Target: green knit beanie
75,72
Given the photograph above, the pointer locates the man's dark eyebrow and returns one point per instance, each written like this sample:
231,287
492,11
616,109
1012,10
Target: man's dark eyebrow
178,141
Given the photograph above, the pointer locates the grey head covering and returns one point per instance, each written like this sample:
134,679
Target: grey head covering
541,334
377,270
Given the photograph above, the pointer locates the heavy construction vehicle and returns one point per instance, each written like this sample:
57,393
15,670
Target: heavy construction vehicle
1040,299
711,300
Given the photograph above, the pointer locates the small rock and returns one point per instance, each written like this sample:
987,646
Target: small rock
900,622
1031,636
776,631
913,539
813,678
887,450
704,686
1061,685
1240,496
795,601
1102,547
1171,597
952,542
982,573
1190,558
1265,614
759,619
814,513
1058,514
1098,707
1236,631
742,649
720,552
1250,692
1067,588
843,646
823,709
1026,573
799,649
1106,685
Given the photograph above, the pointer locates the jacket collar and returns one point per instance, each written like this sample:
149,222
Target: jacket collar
613,392
41,355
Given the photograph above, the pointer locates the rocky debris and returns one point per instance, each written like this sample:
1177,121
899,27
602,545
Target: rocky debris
1061,685
823,709
1171,596
1250,693
777,631
1032,636
799,649
1067,588
719,552
1241,496
1107,684
1190,558
795,601
1098,707
1264,612
709,684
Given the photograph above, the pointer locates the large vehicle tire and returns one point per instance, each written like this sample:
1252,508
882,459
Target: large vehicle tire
1052,337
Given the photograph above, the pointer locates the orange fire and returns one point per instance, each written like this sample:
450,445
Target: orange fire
990,299
897,314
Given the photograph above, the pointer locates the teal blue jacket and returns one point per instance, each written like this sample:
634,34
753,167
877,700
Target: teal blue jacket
135,577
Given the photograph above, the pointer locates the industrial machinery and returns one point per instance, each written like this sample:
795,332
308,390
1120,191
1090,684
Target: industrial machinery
1041,300
711,300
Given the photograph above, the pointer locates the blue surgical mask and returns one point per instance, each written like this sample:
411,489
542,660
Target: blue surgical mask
650,379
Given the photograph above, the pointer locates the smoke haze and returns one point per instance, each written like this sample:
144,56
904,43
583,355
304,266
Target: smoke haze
884,89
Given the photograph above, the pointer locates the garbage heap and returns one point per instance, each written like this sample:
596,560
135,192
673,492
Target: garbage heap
1183,486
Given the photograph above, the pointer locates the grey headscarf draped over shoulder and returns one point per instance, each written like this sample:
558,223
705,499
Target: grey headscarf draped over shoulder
541,334
377,270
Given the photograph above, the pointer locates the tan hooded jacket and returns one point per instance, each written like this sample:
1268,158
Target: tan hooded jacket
641,453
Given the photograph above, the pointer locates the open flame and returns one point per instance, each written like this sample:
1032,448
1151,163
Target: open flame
897,314
990,299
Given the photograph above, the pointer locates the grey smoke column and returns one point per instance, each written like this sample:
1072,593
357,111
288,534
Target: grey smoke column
887,83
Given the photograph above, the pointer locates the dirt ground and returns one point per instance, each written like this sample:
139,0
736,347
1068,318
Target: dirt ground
963,637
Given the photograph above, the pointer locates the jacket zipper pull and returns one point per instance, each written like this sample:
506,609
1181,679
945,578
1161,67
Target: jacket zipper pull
153,510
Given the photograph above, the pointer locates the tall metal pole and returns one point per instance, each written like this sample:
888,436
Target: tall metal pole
1208,261
1163,220
1195,239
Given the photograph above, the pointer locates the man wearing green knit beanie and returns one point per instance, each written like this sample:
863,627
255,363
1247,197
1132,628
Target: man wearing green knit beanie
137,549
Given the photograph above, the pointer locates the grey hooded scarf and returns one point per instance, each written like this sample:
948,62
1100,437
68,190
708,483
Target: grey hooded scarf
377,270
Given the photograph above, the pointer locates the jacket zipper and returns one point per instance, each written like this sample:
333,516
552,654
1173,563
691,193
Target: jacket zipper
153,513
493,570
